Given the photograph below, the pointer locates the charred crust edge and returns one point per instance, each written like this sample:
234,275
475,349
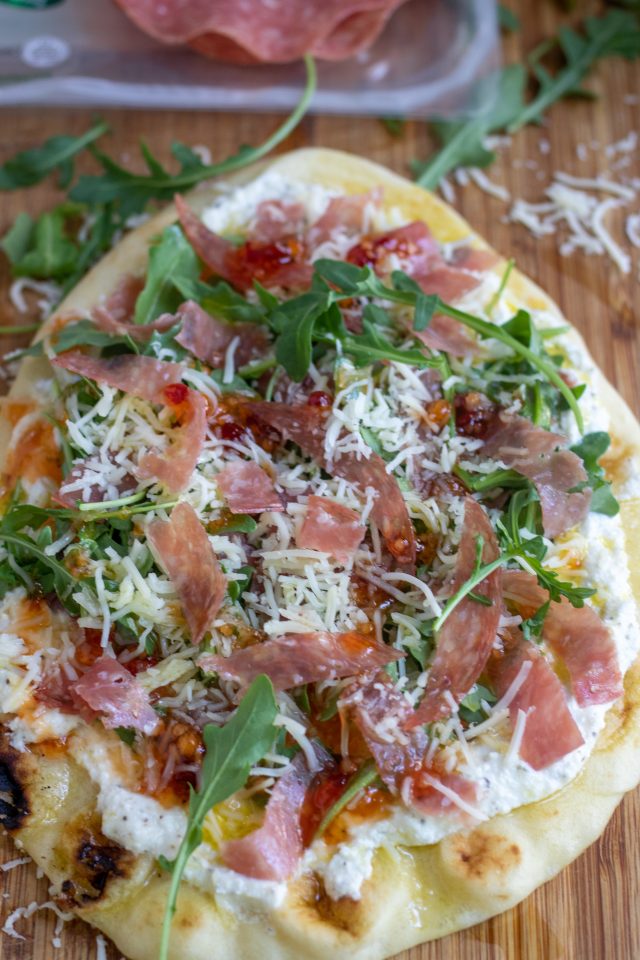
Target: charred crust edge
14,801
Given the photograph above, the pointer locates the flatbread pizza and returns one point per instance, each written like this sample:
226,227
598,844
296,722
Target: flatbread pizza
318,629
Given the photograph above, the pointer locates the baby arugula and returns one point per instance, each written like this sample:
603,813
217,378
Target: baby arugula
231,751
52,247
500,104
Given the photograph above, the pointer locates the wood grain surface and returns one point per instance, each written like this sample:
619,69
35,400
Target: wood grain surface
589,912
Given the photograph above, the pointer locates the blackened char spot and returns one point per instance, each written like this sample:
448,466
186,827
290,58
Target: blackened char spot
14,804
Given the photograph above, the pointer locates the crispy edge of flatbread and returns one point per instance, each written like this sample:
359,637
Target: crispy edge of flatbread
414,894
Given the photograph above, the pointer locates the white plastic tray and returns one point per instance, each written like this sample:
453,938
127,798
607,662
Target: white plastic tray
87,53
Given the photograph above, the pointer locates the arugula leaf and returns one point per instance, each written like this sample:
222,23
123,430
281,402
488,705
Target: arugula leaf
499,99
32,166
370,346
126,734
99,239
85,333
617,33
231,751
296,320
62,581
133,191
471,709
220,300
394,125
49,253
241,523
507,19
171,257
17,239
590,449
235,588
532,626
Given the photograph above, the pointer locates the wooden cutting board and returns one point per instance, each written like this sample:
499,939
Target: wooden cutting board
590,911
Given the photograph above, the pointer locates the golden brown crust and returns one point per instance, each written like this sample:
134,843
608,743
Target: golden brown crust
415,894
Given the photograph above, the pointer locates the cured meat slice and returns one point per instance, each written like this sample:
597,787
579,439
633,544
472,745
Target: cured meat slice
273,851
550,731
297,658
381,715
464,643
212,249
110,690
182,548
555,473
175,467
413,245
419,255
330,527
343,214
306,426
143,377
275,220
247,488
277,264
208,338
445,333
243,31
576,635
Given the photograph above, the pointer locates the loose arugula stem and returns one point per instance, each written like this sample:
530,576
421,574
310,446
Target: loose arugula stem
19,328
495,299
365,776
108,504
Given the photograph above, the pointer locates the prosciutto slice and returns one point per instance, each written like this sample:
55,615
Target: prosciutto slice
275,220
550,731
464,643
246,31
306,426
330,527
247,488
555,473
110,690
381,714
419,255
276,264
143,377
575,634
297,658
208,338
273,851
346,214
182,548
156,381
445,333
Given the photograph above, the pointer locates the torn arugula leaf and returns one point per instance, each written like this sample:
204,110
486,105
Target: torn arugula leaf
231,751
590,449
532,626
170,259
29,167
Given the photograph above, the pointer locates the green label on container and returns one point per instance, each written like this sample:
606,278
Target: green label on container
31,4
